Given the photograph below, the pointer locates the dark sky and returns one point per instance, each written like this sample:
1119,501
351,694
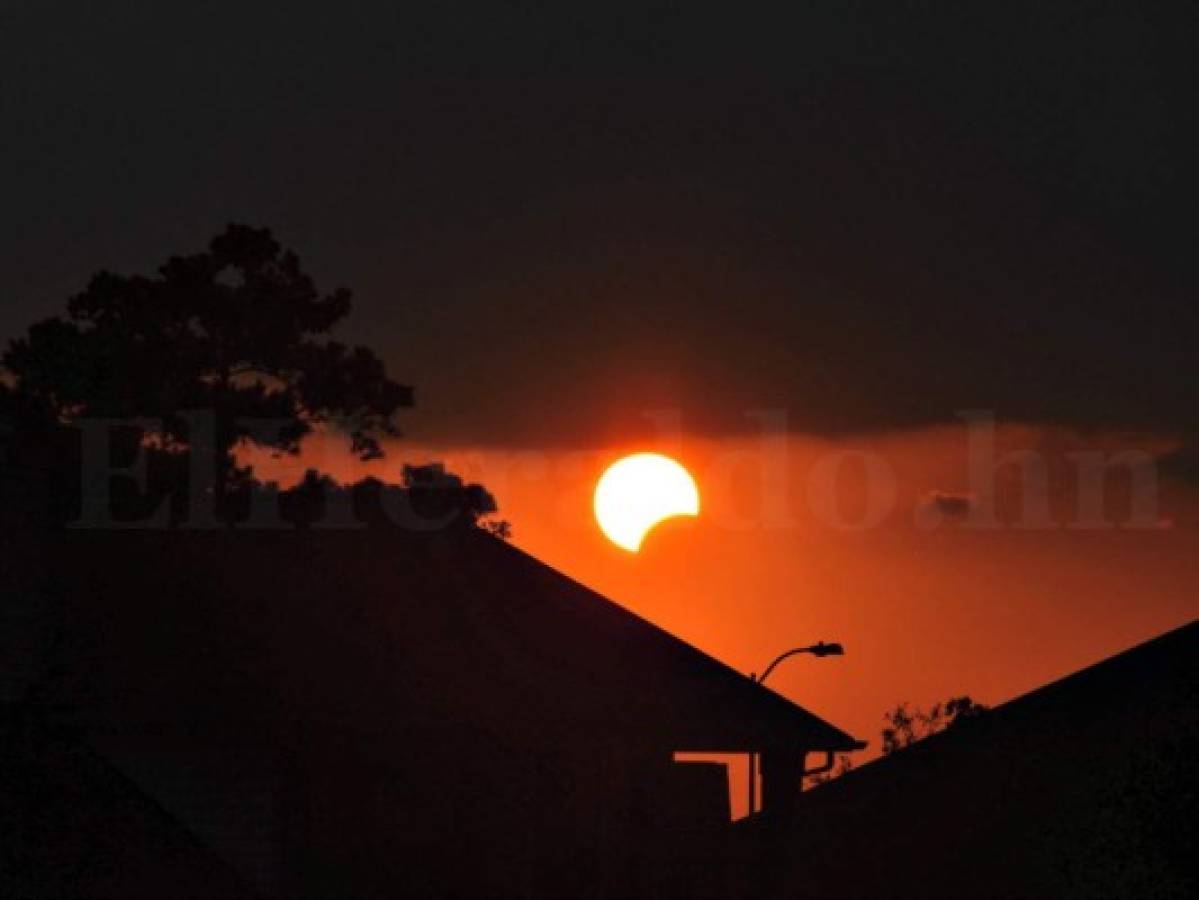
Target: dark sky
870,215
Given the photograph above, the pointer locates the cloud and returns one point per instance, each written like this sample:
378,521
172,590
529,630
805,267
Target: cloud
937,506
549,258
1182,464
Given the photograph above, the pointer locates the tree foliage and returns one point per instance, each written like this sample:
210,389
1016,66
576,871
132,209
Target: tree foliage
842,766
239,329
222,350
906,725
427,496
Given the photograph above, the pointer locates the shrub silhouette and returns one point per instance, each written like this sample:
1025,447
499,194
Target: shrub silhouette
906,725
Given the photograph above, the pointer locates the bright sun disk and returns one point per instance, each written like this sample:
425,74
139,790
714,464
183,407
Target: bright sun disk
639,491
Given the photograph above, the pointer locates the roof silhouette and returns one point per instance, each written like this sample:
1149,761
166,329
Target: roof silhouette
72,825
466,719
1087,786
461,622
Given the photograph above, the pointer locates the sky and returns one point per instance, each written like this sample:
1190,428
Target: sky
869,541
585,230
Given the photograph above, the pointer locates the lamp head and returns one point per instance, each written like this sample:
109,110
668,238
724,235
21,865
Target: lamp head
823,649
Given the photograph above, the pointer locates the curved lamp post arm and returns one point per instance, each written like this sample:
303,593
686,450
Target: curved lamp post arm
817,649
820,649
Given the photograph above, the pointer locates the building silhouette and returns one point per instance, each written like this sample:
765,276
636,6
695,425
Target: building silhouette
1086,787
379,712
383,712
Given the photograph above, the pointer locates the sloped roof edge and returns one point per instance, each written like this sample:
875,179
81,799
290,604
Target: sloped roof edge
772,709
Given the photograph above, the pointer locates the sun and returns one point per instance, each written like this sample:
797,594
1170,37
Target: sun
639,491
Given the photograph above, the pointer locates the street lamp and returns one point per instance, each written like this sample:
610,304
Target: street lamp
821,649
817,649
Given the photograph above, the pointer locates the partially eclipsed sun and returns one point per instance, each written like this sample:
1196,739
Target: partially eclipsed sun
638,492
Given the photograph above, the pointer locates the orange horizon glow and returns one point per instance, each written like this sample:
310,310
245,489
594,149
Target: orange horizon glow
788,551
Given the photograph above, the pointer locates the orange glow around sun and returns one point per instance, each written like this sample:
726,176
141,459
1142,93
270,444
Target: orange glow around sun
639,491
778,558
